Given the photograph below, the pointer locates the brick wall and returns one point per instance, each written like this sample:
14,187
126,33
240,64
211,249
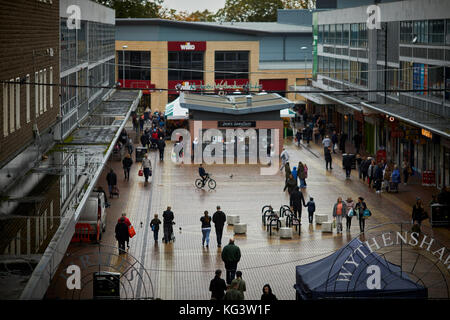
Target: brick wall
27,29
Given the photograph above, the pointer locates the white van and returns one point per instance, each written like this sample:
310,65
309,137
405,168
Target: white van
89,215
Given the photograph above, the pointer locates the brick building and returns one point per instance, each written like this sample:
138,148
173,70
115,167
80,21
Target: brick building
29,52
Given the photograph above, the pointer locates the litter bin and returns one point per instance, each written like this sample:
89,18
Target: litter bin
351,158
140,152
106,285
440,215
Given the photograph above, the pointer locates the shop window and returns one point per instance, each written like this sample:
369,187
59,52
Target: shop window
354,27
136,65
332,34
345,34
406,30
320,34
436,31
338,37
436,80
229,62
183,65
420,30
362,36
406,75
345,69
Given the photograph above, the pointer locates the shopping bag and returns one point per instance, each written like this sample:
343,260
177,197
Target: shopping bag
367,213
141,173
351,213
131,231
334,224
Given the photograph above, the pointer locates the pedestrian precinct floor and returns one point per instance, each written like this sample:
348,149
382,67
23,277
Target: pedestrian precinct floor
183,269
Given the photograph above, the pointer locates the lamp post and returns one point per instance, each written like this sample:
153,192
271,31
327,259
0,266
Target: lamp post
123,64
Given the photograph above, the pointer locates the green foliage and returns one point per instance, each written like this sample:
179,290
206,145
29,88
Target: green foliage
250,10
134,8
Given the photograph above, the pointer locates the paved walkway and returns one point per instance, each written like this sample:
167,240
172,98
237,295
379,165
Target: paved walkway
183,270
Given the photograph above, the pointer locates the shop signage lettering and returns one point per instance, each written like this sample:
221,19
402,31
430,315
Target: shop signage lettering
427,134
389,239
224,86
237,124
186,46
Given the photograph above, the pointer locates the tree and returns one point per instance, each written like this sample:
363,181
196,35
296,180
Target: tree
203,16
135,8
299,4
250,10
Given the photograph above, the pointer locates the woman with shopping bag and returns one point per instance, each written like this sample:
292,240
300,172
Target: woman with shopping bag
146,167
361,213
349,212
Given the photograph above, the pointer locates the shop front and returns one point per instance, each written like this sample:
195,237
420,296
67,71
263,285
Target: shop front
237,121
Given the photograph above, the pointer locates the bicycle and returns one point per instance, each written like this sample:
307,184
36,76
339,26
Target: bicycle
200,183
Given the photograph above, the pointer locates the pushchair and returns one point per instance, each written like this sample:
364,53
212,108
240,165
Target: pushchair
172,235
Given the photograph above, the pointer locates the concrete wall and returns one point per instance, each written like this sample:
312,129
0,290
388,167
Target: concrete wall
89,10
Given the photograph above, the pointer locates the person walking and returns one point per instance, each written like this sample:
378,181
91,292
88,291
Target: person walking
231,254
406,171
111,178
206,228
168,224
298,136
144,140
387,173
267,294
217,286
347,164
219,218
395,176
339,211
302,175
342,141
311,209
290,185
334,140
241,283
128,223
365,168
127,162
233,293
378,177
154,224
161,146
326,143
122,234
294,173
287,171
284,158
308,134
146,165
418,212
328,160
359,161
359,210
349,213
371,172
296,200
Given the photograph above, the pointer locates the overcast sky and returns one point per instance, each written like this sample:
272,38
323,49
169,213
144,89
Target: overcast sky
194,5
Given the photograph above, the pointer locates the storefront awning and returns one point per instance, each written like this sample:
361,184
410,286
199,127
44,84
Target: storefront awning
174,111
434,123
287,113
317,98
344,99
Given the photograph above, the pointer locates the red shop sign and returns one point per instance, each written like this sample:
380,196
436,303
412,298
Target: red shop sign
186,46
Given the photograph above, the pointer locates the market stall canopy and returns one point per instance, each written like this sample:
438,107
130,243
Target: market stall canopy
174,111
343,274
287,113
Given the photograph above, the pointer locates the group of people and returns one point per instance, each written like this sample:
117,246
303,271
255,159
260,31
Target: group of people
156,120
219,218
154,138
235,291
348,209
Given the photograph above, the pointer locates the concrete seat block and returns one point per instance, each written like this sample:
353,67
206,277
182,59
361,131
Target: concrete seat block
327,226
320,218
232,219
240,228
286,233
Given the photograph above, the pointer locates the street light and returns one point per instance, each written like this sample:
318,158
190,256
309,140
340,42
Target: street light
304,72
123,64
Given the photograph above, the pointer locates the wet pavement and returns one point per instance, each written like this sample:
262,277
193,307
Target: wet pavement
183,269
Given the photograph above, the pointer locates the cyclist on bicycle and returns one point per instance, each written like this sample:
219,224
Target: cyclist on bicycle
202,173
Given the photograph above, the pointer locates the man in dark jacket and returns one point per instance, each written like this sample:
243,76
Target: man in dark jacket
296,202
144,140
161,146
127,162
291,184
122,234
365,168
334,140
217,286
378,177
167,224
347,164
111,178
219,219
231,254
